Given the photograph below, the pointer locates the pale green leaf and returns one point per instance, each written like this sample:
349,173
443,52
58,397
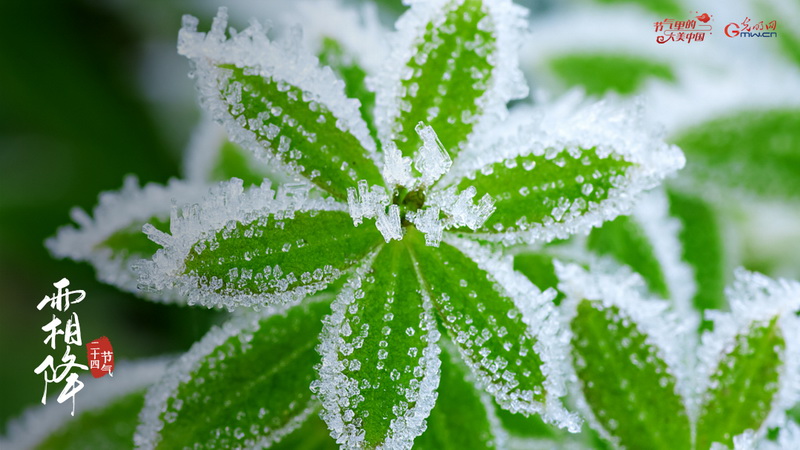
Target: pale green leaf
754,151
461,66
600,73
486,324
313,434
275,100
625,382
380,364
667,8
703,249
743,386
460,419
243,385
625,240
334,55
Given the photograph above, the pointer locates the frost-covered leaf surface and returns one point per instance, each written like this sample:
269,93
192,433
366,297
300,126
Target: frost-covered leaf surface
346,65
463,416
628,358
625,381
702,247
112,239
257,246
453,66
106,413
749,365
504,331
274,100
564,168
245,384
380,361
313,434
742,386
600,73
754,151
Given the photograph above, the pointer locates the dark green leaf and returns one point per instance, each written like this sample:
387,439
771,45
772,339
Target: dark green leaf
460,419
539,268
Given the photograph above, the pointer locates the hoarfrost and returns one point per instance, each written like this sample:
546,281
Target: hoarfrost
226,203
118,211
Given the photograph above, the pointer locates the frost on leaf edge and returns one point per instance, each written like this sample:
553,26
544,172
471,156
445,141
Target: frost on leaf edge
115,211
225,203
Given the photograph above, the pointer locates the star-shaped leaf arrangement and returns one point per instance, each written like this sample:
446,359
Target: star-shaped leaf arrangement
382,257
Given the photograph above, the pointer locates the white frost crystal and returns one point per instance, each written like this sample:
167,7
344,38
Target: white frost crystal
431,160
117,211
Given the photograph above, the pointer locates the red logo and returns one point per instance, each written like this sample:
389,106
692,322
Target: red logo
671,30
101,357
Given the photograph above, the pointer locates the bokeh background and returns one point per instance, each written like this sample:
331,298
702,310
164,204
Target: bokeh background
93,90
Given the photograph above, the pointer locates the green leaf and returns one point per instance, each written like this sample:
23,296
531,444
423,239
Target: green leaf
624,239
625,382
243,385
535,189
235,162
487,326
538,267
275,100
754,151
455,71
110,427
460,419
742,386
703,248
271,256
313,434
380,361
599,73
667,8
112,239
334,55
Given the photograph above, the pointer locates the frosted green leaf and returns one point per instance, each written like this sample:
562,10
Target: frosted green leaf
600,73
754,151
540,189
454,65
560,169
245,384
625,381
274,99
702,245
106,412
625,240
742,386
460,419
487,325
235,162
241,248
112,239
334,55
111,427
380,361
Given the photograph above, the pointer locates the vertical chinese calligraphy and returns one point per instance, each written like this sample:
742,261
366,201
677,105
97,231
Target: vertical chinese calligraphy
69,335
